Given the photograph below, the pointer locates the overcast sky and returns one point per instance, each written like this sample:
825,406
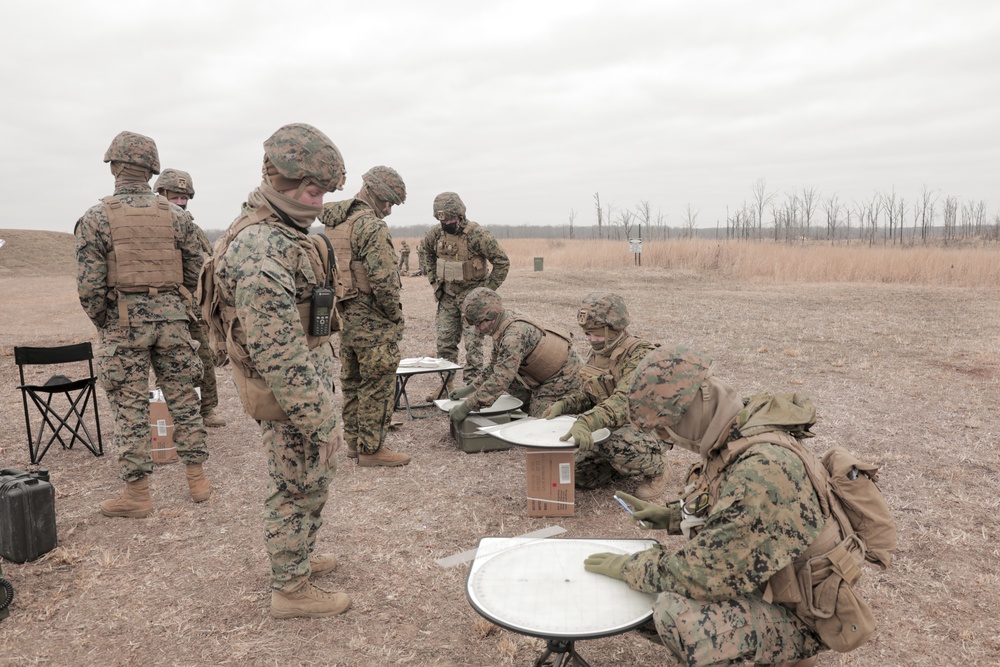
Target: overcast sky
526,109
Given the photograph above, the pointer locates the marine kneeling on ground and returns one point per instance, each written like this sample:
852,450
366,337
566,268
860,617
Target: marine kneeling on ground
769,574
531,361
602,402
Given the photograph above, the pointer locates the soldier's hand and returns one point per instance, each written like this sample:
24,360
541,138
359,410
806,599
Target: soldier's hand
328,451
459,412
555,410
461,392
580,433
610,565
649,515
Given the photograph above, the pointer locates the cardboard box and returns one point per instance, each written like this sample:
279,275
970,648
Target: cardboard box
551,476
162,427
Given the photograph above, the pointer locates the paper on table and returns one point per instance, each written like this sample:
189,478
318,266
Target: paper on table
422,362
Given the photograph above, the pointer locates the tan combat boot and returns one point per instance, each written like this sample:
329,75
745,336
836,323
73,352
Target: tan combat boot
133,503
309,601
806,662
652,487
322,563
212,419
198,484
383,457
352,451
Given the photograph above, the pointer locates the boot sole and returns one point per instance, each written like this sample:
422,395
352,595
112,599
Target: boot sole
381,464
301,613
133,514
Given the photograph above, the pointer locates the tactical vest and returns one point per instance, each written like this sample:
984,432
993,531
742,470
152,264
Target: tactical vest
351,282
545,360
818,586
226,334
454,263
602,372
144,257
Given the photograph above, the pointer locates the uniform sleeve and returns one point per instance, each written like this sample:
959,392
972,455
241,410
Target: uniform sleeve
428,255
488,247
191,245
374,247
767,515
518,341
265,304
612,412
92,268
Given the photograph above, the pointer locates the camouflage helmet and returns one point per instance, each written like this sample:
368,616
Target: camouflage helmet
664,386
386,184
300,152
175,180
482,304
448,205
603,309
134,148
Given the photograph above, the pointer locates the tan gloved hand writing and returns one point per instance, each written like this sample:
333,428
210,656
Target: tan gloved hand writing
555,410
649,515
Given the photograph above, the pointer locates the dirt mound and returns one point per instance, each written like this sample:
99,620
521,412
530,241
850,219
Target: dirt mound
27,252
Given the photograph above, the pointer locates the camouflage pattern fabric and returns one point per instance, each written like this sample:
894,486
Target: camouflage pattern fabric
709,612
372,328
449,329
368,380
175,180
134,148
448,205
404,257
158,338
665,384
518,341
264,274
386,184
300,152
208,381
603,309
626,454
297,490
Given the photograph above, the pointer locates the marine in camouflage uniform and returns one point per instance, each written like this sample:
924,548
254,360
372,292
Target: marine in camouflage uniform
178,188
538,375
266,267
404,257
749,515
142,317
372,313
602,402
462,249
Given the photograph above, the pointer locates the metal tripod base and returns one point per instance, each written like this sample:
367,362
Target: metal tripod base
563,652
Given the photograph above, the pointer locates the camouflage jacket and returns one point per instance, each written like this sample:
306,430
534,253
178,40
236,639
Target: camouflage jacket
613,411
518,341
264,274
93,243
372,318
766,516
481,243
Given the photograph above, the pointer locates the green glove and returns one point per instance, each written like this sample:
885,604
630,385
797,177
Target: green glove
555,410
649,515
461,392
580,432
459,412
610,565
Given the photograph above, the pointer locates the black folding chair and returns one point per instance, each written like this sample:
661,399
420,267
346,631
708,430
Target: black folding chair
81,394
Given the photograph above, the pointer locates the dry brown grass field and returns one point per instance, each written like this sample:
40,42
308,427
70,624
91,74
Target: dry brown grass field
902,358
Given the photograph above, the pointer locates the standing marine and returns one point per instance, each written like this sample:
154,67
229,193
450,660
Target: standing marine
404,257
259,303
602,402
178,188
531,361
459,255
372,313
138,258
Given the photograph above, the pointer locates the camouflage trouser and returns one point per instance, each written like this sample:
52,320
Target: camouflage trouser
404,262
209,386
297,490
729,632
539,399
124,358
368,380
627,453
450,330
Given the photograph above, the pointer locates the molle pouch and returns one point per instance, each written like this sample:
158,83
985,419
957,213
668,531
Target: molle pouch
474,269
831,605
